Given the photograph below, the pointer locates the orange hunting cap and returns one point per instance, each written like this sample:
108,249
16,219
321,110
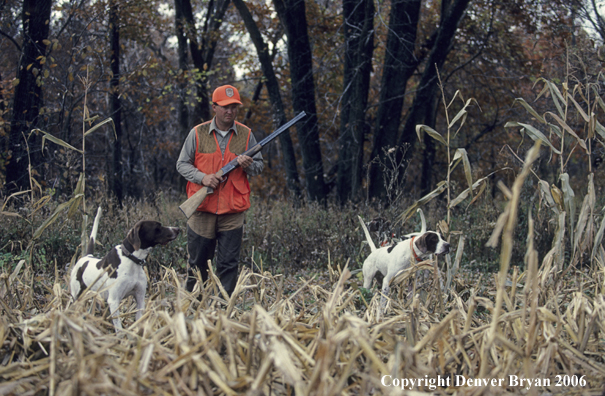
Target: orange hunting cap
226,95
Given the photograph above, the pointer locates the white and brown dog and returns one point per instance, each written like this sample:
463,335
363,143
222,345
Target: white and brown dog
389,260
120,273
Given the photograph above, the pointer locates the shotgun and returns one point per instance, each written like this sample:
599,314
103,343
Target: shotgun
190,205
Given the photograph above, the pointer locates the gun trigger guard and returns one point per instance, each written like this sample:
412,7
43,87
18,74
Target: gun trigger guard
209,190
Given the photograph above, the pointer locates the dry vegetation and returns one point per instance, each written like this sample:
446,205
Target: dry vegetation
536,327
302,334
320,339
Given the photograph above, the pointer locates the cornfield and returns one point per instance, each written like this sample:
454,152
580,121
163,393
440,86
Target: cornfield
538,332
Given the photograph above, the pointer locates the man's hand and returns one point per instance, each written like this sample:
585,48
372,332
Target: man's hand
211,181
244,161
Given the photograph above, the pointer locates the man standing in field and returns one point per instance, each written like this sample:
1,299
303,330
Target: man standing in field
219,220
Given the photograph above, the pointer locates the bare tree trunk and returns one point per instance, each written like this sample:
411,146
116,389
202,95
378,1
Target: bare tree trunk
293,17
183,112
359,47
116,184
399,65
202,50
184,124
279,114
28,93
423,102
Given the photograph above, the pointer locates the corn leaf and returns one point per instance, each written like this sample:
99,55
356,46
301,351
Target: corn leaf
600,129
533,133
459,251
598,240
579,108
467,167
556,130
100,124
56,140
479,183
461,114
582,221
567,129
530,110
597,97
79,191
555,94
53,217
456,94
464,194
422,201
479,194
431,132
547,195
569,201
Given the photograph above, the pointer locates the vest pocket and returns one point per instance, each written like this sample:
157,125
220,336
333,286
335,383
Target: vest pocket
241,193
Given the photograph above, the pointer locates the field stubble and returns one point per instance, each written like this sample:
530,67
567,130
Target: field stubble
309,335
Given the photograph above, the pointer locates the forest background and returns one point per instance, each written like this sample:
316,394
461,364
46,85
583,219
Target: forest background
366,73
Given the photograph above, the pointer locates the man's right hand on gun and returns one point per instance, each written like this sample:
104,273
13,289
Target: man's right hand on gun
211,181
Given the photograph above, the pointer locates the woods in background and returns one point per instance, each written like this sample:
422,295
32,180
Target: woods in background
366,72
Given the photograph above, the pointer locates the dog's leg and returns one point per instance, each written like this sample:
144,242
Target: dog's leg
114,308
385,291
369,271
139,296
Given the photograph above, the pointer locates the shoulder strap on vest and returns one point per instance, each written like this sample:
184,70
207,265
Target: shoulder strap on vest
239,142
205,141
241,128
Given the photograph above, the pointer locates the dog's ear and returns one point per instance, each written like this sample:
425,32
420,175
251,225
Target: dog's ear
133,236
427,242
421,242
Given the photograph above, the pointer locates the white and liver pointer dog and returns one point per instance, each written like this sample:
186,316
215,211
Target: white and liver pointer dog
120,273
389,260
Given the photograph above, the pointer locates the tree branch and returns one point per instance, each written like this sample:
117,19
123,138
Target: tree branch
11,39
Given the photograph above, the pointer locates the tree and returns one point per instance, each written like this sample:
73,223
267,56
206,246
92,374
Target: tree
28,94
115,108
182,110
292,15
202,49
279,113
496,54
590,11
358,26
424,100
400,62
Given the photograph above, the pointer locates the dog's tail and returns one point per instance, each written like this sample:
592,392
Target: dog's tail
422,226
368,237
422,221
93,234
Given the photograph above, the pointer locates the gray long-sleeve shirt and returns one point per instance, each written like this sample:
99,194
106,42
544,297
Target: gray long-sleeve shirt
185,164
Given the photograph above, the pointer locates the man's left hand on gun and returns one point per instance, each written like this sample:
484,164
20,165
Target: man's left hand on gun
244,161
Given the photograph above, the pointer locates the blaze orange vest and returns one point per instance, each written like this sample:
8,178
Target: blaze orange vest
232,195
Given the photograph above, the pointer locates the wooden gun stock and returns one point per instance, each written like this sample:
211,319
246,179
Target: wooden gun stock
190,205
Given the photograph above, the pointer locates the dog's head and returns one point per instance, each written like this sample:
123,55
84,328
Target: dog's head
148,233
431,243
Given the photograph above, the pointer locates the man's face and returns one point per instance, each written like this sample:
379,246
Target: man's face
225,115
